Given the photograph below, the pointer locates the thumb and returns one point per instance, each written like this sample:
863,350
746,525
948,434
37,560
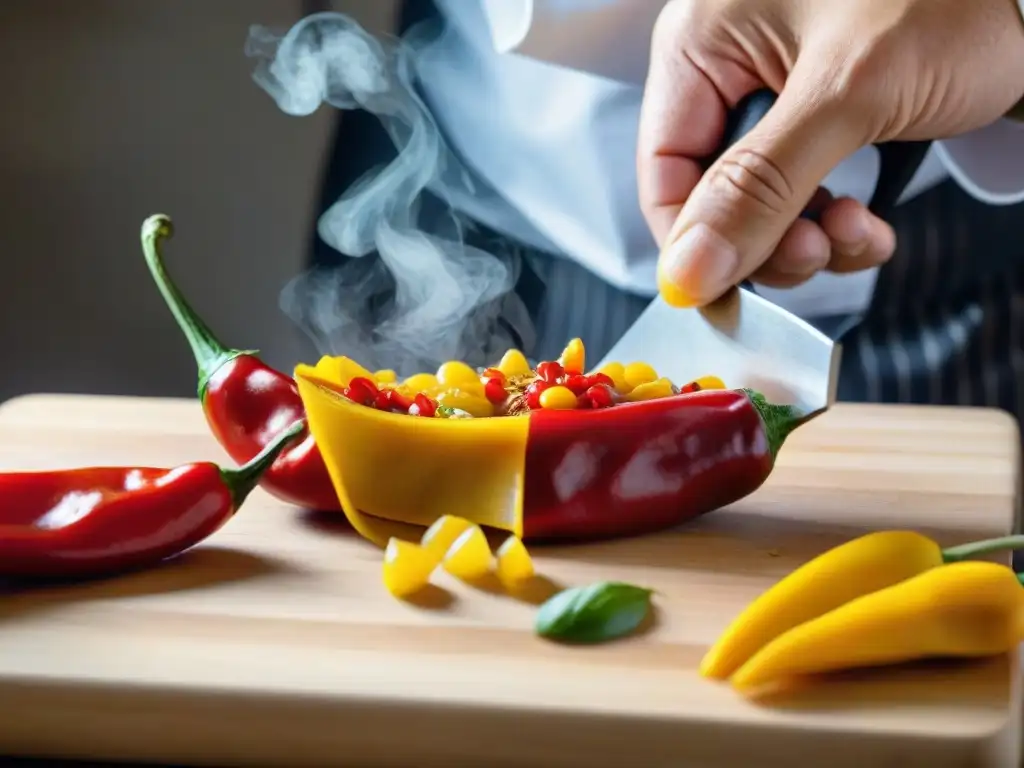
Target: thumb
744,203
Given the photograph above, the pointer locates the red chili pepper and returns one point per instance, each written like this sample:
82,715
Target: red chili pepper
645,466
99,520
246,402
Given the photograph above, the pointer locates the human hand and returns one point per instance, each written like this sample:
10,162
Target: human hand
848,74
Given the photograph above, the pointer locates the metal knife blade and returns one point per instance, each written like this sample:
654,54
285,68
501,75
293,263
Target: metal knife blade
743,339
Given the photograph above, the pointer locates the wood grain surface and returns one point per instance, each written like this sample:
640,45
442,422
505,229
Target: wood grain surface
275,644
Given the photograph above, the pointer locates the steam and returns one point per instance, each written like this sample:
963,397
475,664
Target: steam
430,297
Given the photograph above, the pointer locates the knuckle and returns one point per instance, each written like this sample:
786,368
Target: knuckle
855,82
748,175
680,20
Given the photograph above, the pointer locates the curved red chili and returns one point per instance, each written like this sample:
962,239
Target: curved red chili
246,402
647,466
99,520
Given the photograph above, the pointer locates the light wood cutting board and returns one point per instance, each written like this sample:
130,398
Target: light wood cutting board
275,644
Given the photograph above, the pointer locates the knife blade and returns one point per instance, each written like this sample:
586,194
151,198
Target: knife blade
743,338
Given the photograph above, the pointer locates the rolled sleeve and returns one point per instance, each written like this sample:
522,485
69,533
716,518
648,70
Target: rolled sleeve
988,163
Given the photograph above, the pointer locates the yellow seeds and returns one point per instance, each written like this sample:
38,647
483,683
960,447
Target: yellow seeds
513,363
710,382
421,382
514,563
558,398
455,372
573,357
440,536
639,373
340,370
469,556
473,388
385,377
617,373
652,390
478,407
407,567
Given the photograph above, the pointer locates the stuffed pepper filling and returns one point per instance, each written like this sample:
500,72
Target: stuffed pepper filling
512,387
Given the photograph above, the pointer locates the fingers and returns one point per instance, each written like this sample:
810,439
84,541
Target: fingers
860,240
682,118
847,238
745,207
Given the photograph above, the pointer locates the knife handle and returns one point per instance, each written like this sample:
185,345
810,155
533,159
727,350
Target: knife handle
898,160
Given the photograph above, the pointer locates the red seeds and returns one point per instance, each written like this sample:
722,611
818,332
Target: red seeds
533,393
693,386
550,371
361,390
423,406
600,396
494,390
397,401
576,383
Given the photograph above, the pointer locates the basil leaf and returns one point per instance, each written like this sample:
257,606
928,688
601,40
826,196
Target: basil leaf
593,614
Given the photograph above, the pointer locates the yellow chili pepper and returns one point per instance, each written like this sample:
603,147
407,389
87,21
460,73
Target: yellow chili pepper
964,610
852,569
859,567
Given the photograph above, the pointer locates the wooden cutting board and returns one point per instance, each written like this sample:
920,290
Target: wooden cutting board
275,643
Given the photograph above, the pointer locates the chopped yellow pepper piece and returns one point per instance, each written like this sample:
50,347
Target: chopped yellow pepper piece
573,357
639,373
514,363
469,557
652,390
514,564
407,567
440,536
456,373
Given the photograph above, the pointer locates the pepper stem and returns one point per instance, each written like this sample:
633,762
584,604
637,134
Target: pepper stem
241,480
984,547
209,352
779,420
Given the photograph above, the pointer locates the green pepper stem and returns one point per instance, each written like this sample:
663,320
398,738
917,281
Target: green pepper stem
779,420
209,352
975,548
241,480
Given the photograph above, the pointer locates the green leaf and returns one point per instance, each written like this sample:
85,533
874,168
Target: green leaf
594,614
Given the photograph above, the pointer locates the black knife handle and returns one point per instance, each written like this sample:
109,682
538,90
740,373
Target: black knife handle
898,160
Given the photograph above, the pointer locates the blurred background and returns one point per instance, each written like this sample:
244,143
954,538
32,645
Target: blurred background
116,109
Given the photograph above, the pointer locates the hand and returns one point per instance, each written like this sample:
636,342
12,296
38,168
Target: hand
848,73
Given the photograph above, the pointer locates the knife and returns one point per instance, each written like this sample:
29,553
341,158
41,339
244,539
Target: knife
743,338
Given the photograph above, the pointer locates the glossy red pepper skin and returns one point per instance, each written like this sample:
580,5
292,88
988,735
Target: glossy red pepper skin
246,402
642,467
100,520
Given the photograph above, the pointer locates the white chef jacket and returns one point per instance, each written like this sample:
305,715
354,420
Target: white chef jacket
541,100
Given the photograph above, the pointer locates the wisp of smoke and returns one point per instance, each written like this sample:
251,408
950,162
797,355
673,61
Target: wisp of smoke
429,297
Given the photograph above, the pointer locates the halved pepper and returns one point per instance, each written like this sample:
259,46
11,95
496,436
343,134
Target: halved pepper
546,474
